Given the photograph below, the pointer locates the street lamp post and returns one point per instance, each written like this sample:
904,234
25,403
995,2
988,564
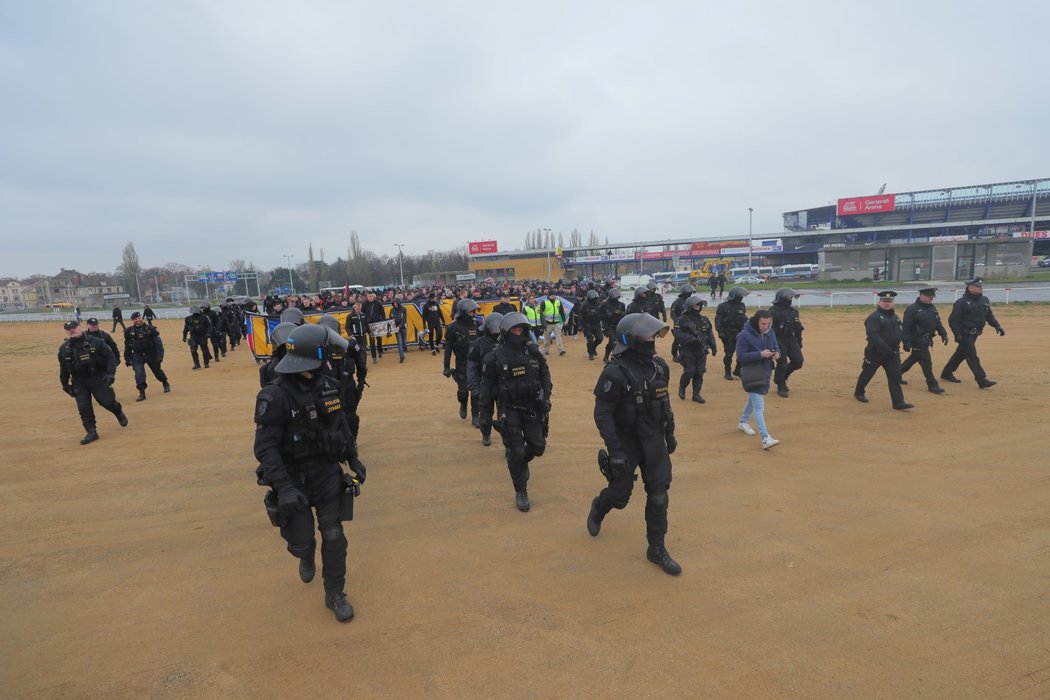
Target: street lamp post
291,284
547,245
750,213
401,262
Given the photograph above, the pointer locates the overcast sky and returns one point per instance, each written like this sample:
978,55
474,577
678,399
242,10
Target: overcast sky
206,131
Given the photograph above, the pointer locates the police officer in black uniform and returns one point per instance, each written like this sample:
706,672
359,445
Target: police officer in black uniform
218,331
481,347
197,328
640,303
730,317
118,317
655,301
458,337
788,328
515,377
301,436
884,333
349,366
590,319
144,348
678,308
611,311
967,320
633,413
93,331
921,322
278,337
696,338
87,368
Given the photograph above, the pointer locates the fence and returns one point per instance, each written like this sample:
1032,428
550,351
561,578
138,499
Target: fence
867,297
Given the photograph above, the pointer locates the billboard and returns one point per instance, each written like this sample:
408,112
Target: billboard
479,247
867,205
1031,234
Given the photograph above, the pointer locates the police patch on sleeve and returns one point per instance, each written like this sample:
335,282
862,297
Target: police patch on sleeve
262,406
607,386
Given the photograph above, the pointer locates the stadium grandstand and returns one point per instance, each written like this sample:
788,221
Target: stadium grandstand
956,233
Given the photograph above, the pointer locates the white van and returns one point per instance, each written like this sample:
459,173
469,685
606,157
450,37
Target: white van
802,271
628,283
765,272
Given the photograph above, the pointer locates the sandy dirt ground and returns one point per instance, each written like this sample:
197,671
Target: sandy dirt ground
874,553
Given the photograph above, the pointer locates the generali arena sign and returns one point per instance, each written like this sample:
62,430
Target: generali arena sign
481,247
867,205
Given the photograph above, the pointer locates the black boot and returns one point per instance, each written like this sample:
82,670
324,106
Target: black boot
658,555
142,395
167,387
698,398
936,389
521,500
949,377
89,438
681,391
594,519
486,439
337,603
463,410
729,375
986,383
121,418
196,365
782,390
307,568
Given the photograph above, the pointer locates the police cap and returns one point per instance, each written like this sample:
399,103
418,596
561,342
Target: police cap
928,291
886,295
975,282
70,325
135,314
92,321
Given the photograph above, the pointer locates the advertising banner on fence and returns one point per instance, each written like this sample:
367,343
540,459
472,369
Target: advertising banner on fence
867,205
480,247
1031,234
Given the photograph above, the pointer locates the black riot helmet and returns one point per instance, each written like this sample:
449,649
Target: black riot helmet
195,310
633,327
785,294
293,315
280,333
466,308
687,290
492,323
305,349
640,292
614,293
206,306
592,294
694,300
737,293
329,321
513,319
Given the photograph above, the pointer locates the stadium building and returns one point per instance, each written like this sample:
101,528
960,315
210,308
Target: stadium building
956,233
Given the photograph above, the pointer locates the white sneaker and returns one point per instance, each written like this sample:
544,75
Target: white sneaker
746,429
769,441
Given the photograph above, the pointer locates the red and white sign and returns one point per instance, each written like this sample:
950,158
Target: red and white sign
705,249
1031,234
867,205
480,247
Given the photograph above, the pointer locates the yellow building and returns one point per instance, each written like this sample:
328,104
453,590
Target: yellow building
529,264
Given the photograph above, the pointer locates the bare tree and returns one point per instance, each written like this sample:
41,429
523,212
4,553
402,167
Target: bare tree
355,246
130,268
237,266
592,239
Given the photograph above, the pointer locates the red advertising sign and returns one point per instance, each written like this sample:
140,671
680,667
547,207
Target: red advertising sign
705,249
1032,234
867,205
479,247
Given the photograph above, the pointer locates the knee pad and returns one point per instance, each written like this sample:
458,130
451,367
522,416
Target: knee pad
300,551
516,454
332,538
538,450
657,502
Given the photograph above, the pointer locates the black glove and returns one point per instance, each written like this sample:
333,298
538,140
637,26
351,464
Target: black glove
1000,331
545,406
291,500
672,443
944,338
184,340
109,379
955,338
907,348
714,351
358,469
447,372
68,388
127,363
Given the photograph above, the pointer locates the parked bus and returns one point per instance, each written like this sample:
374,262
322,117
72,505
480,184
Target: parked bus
804,271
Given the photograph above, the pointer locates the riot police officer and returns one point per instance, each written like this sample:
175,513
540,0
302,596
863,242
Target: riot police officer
481,347
93,331
87,368
590,318
696,338
611,311
730,317
515,377
197,328
640,303
967,320
458,337
884,333
788,328
921,322
217,332
278,337
349,366
144,348
678,308
655,301
633,413
301,436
